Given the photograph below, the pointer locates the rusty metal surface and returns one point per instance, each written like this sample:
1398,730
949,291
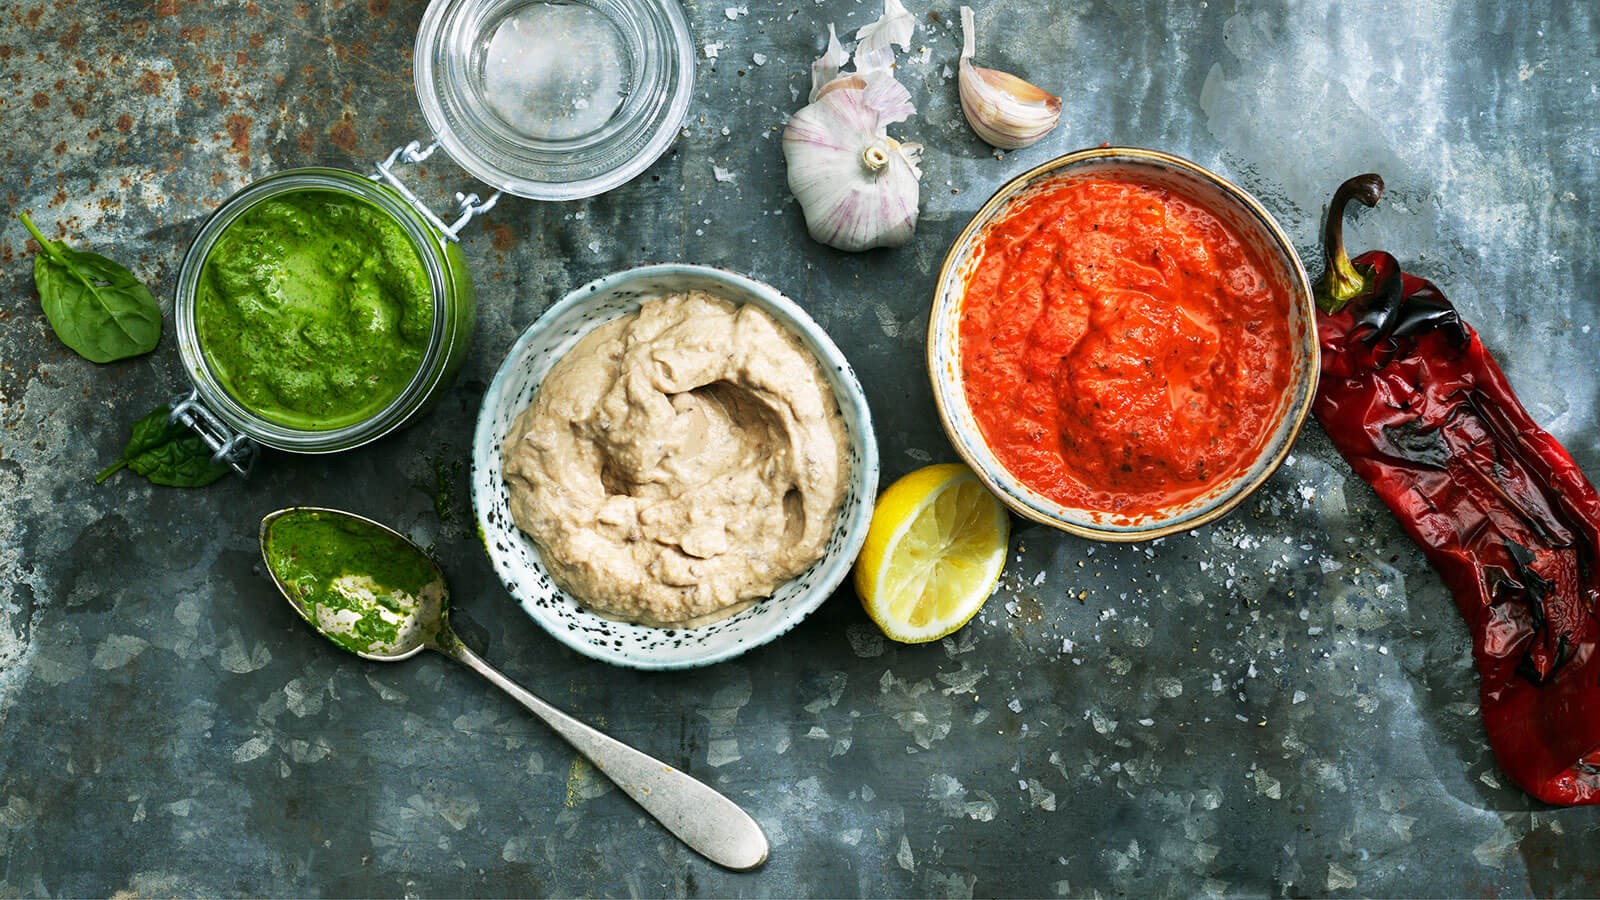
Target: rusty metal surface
1279,703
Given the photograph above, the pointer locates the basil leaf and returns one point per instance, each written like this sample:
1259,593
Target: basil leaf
168,453
96,307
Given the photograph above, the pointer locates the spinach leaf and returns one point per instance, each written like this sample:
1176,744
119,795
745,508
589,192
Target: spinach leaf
168,453
95,306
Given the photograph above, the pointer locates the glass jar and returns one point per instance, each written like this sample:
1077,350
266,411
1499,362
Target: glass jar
228,424
554,100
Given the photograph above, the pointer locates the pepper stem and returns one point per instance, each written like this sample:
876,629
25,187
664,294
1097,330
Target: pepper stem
1344,280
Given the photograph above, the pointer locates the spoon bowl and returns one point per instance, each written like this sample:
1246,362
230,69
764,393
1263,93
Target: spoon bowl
375,593
419,625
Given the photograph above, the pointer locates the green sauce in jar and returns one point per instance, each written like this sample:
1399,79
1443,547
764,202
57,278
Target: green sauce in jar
314,310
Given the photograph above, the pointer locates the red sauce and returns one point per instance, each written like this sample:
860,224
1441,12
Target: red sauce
1122,349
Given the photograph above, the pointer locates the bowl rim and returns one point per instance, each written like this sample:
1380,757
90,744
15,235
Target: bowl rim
1300,288
834,573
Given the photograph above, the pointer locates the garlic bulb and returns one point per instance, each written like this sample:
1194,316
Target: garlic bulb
857,186
1004,110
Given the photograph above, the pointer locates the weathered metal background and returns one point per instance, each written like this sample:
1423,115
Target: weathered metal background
1280,703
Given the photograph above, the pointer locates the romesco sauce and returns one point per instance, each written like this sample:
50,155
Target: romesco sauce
1122,349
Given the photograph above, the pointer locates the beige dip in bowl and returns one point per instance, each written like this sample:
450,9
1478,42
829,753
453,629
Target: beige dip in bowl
680,462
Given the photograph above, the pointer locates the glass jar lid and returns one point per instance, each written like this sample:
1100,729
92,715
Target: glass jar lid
554,99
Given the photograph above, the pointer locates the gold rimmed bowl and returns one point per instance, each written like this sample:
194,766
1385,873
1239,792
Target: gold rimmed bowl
1246,217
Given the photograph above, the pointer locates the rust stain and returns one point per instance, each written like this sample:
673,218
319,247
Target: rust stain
69,41
257,40
61,148
78,109
306,142
377,7
124,123
194,34
5,51
41,100
239,133
343,135
252,9
150,82
167,7
193,92
501,236
301,10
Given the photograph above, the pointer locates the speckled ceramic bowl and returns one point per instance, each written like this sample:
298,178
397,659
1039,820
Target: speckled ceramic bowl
1226,200
516,557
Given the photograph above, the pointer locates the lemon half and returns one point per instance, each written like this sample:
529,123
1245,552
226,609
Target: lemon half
933,553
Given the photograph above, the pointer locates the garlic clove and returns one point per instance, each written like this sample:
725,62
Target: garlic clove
1003,109
843,83
857,187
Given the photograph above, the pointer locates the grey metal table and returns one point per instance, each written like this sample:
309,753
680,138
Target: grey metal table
1280,703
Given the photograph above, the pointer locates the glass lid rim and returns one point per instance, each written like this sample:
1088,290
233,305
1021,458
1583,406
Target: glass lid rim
478,165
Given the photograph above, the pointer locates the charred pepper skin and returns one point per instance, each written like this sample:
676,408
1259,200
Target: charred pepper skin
1422,412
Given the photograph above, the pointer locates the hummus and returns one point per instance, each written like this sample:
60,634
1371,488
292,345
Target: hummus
679,463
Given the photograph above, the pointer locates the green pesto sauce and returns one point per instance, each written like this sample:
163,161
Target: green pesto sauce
314,310
358,584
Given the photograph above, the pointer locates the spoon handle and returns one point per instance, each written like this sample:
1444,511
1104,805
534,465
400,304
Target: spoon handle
710,823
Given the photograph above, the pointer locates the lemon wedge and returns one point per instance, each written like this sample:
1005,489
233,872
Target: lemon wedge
933,553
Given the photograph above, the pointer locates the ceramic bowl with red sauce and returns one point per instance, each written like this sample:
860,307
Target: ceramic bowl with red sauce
1122,344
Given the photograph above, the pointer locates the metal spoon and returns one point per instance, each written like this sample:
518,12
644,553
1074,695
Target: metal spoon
711,824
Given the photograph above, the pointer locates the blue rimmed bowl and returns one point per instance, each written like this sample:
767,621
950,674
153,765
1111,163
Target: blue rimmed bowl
516,557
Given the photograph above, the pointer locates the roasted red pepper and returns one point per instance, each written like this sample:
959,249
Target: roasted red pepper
1421,411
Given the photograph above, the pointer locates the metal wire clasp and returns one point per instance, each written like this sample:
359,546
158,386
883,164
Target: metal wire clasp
467,205
235,450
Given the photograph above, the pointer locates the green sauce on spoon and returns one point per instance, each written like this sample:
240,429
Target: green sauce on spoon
364,587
